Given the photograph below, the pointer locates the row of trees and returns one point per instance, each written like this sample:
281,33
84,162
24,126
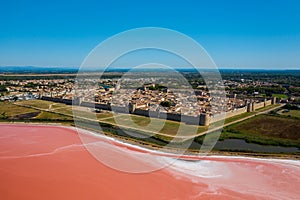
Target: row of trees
262,90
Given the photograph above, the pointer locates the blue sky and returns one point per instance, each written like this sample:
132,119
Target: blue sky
237,34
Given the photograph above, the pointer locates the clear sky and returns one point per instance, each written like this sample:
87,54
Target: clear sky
237,34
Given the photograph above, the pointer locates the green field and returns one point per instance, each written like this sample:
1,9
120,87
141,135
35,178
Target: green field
159,125
267,108
51,116
244,115
9,110
280,96
36,103
292,113
238,117
266,129
60,108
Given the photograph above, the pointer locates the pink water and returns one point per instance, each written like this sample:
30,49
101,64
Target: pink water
48,162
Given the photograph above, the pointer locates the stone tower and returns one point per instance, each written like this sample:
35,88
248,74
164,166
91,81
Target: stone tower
204,119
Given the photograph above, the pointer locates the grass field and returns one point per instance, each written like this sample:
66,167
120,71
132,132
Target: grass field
9,110
267,107
36,103
237,117
292,113
64,110
104,115
60,108
281,96
266,129
244,115
49,116
166,127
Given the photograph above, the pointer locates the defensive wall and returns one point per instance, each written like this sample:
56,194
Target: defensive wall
202,119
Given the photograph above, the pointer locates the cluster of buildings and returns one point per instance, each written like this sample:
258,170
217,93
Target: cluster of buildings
33,89
145,99
150,96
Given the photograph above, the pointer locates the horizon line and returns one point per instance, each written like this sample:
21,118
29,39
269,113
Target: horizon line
126,68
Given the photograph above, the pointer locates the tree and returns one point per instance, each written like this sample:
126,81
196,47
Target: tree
4,116
166,103
3,88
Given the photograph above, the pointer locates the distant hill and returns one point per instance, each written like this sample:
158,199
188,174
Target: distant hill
58,70
295,72
36,70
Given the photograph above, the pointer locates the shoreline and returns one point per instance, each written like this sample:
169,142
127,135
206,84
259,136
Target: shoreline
193,154
153,147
